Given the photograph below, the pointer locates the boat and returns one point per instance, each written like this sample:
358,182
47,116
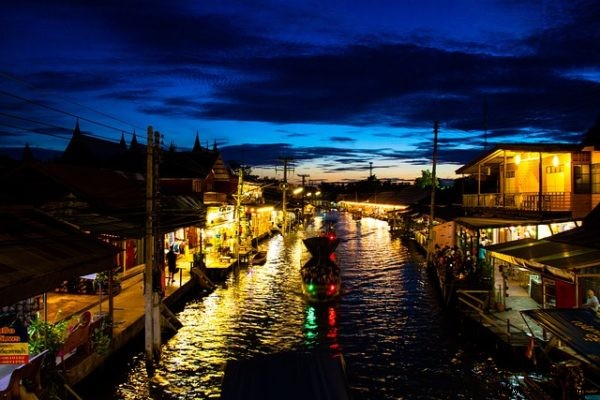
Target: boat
259,258
321,279
286,375
357,215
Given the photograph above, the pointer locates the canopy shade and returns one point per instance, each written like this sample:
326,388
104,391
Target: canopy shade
555,258
576,327
38,253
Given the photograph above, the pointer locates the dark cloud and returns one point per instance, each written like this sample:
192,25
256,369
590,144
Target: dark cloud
73,81
341,139
287,64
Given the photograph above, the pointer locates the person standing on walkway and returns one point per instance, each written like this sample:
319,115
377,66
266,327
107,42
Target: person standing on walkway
172,265
592,301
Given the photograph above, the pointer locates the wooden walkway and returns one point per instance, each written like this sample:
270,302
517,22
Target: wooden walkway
509,328
129,315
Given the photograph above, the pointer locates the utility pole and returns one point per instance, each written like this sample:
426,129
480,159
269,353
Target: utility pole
303,176
238,211
433,184
284,186
152,285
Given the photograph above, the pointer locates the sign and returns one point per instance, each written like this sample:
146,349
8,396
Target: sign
14,348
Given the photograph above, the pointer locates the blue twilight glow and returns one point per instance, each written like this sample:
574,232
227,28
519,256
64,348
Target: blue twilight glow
333,85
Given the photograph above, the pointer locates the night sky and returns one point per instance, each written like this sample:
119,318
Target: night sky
333,85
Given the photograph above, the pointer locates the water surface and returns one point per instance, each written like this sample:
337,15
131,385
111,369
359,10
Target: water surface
395,338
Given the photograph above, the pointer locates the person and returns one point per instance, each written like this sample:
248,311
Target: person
592,301
172,264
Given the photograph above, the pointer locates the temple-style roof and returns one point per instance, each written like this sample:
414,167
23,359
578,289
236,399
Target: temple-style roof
86,150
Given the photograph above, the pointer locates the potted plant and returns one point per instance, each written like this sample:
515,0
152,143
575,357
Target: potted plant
100,339
44,335
101,283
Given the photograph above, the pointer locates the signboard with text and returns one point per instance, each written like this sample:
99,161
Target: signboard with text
14,348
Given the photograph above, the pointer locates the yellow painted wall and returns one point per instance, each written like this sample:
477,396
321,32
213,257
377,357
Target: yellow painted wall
526,176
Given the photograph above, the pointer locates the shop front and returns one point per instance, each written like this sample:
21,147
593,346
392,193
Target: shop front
554,274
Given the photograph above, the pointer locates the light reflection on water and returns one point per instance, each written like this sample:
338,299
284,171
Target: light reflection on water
388,326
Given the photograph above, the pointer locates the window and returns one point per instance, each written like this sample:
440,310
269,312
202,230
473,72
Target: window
595,178
510,174
551,169
581,179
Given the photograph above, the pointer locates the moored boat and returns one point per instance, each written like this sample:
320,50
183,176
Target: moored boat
286,375
259,258
321,279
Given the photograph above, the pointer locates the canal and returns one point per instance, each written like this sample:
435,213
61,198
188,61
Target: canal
397,341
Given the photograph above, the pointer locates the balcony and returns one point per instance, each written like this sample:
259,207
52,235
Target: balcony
528,201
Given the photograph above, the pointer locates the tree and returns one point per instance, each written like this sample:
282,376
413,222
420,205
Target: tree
246,169
425,180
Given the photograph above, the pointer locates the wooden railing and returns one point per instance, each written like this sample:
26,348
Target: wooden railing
528,201
477,301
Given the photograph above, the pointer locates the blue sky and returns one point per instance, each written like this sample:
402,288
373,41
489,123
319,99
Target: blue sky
333,85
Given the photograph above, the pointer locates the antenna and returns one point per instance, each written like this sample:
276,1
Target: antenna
485,123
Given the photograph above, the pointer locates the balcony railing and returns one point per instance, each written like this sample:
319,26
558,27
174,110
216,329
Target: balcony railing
214,198
529,201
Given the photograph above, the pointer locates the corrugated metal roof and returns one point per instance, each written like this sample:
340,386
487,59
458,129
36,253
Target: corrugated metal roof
586,235
104,225
38,252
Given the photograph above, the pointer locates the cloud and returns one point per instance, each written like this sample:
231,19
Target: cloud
341,139
283,63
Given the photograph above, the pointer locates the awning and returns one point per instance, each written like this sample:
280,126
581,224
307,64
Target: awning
104,225
555,258
38,253
578,328
483,223
180,211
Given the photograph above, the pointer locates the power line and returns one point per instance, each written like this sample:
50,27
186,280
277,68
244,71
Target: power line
67,130
60,111
30,86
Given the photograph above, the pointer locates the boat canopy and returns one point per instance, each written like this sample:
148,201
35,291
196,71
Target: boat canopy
288,375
